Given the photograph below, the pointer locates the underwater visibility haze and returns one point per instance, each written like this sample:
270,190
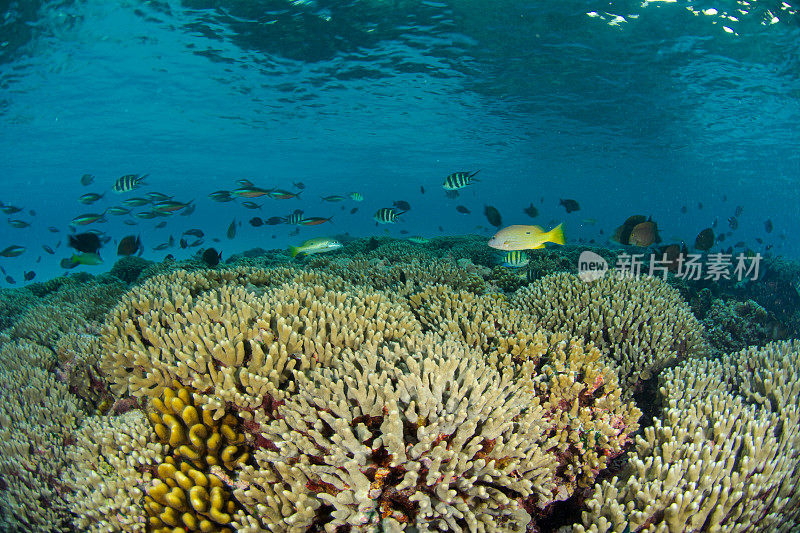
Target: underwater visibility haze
393,265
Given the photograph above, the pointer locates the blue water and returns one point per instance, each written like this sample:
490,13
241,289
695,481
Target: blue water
665,107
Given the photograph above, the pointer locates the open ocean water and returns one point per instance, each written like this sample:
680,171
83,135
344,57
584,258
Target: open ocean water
363,139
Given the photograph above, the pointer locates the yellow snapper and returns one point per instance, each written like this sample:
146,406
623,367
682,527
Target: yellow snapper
316,246
525,237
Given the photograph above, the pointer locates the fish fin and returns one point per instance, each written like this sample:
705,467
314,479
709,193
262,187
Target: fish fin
556,234
473,174
294,251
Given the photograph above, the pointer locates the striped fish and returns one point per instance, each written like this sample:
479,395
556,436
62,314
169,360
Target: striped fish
128,182
459,180
516,259
387,215
295,218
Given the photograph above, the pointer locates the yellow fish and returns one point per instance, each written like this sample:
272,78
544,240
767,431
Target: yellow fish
525,237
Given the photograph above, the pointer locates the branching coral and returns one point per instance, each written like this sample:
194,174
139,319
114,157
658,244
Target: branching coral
112,461
641,323
433,438
38,418
582,398
234,345
710,463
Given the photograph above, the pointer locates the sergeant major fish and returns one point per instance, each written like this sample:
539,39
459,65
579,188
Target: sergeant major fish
128,182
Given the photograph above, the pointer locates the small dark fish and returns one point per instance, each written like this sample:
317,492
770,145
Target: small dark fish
87,179
768,225
699,205
89,197
161,224
47,249
39,259
196,243
211,257
493,216
740,244
53,229
299,185
402,205
403,232
85,242
725,199
354,211
251,205
720,237
11,280
733,223
31,212
256,222
441,228
531,211
194,233
421,189
129,245
462,209
162,246
12,251
128,182
10,209
183,243
739,210
29,275
569,205
705,239
272,221
684,209
759,240
333,198
231,233
129,222
18,223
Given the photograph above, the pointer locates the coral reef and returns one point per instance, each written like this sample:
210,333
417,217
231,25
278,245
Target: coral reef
582,399
732,326
641,323
712,461
111,465
432,438
186,491
38,418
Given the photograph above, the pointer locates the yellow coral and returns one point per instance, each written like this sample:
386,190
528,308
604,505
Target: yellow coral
186,493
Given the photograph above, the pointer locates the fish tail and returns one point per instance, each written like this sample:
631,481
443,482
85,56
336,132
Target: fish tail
294,251
556,235
472,176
